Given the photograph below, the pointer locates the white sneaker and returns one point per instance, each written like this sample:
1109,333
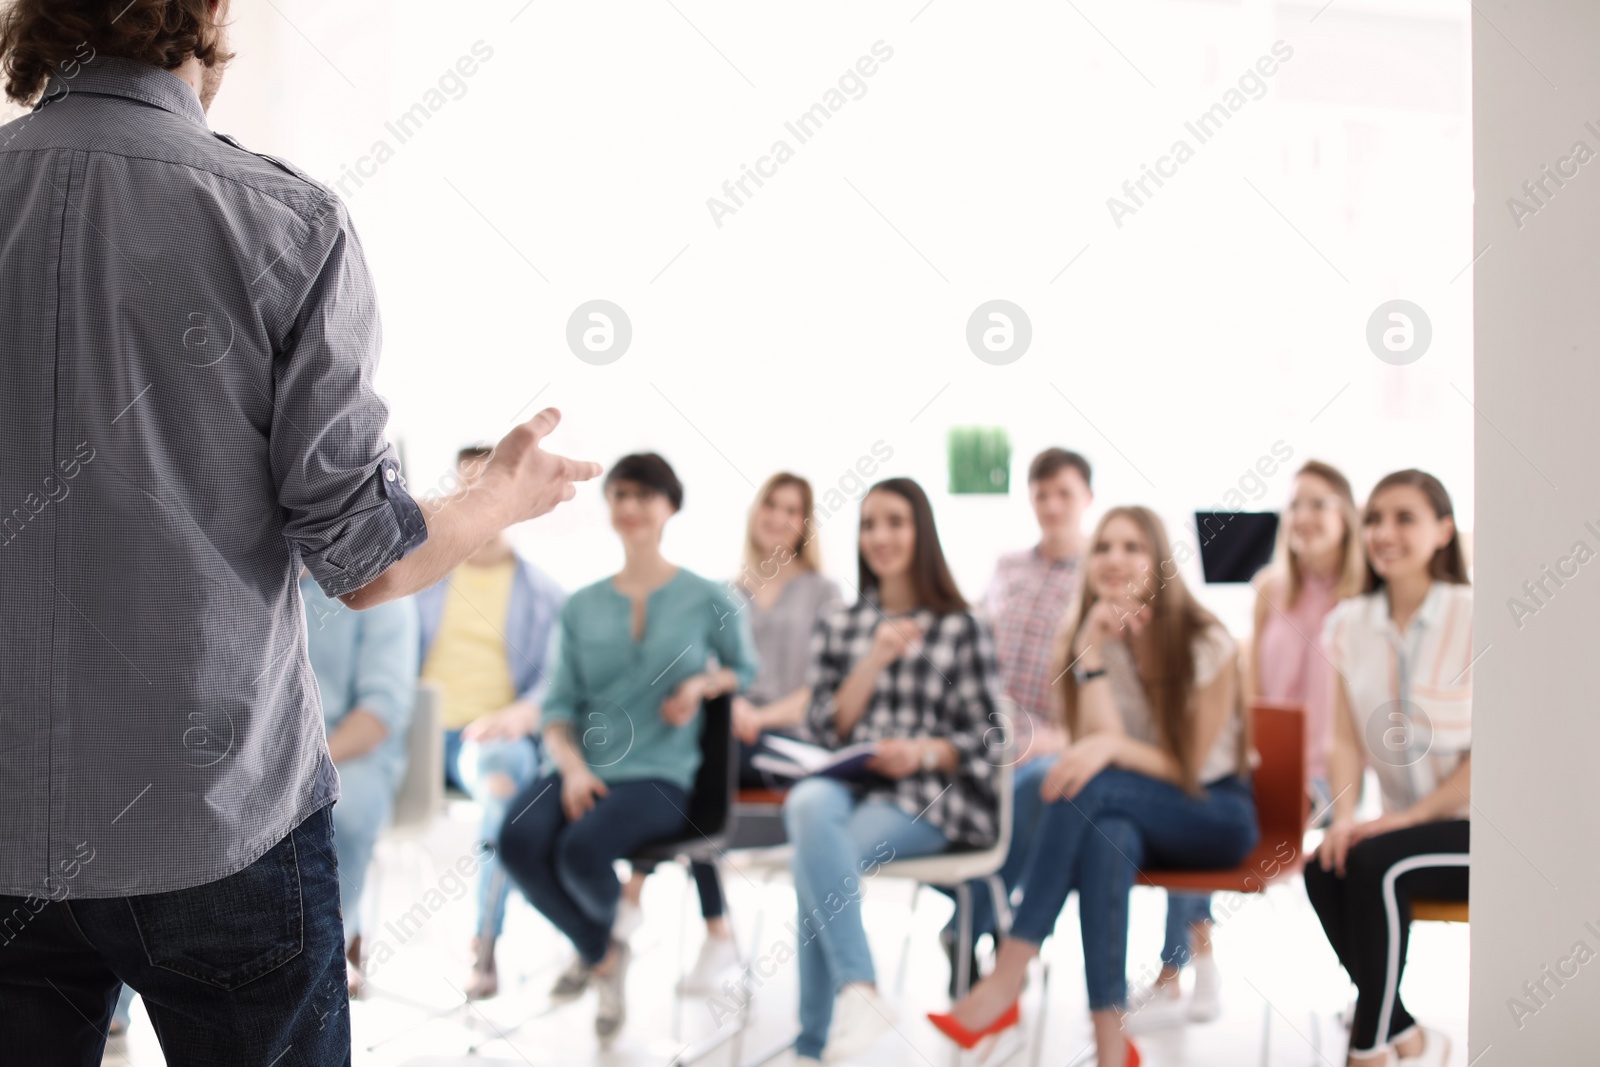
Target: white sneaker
860,1019
1205,1003
718,955
629,918
612,1010
1435,1051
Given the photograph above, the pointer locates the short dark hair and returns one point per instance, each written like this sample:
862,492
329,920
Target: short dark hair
471,452
1047,463
649,470
39,37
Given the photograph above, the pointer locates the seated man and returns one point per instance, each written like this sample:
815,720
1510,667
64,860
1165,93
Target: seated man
483,638
366,668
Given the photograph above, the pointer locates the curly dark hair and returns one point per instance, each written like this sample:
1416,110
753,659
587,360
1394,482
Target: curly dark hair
39,37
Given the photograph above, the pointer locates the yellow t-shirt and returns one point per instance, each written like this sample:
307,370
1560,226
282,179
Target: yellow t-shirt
468,658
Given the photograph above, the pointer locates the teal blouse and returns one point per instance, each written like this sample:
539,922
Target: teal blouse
609,687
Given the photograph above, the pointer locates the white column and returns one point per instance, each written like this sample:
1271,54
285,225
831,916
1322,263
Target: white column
1536,739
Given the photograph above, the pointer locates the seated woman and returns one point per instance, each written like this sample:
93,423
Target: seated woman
782,589
911,668
1402,704
1156,774
1317,563
638,654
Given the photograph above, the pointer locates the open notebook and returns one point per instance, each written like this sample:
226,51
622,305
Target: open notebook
788,758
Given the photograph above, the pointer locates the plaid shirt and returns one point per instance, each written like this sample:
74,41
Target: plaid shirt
1026,600
948,691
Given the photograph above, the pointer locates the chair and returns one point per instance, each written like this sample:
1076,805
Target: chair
421,793
1282,808
958,868
712,818
1439,911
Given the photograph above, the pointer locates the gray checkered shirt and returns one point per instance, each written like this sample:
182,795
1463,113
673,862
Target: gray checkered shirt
188,334
948,690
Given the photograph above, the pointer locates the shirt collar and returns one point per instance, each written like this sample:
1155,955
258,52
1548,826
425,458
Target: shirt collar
1428,612
115,76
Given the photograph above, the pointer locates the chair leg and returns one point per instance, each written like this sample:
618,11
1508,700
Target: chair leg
1044,1001
963,953
683,939
1002,905
1266,1032
905,946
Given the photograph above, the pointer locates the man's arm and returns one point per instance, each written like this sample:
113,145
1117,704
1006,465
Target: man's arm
521,482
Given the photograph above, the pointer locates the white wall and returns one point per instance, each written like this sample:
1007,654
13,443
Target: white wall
805,329
1536,867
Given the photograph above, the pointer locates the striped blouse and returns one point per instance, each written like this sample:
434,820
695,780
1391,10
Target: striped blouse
1410,693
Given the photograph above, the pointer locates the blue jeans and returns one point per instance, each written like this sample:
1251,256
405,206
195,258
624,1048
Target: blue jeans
1096,842
839,842
366,803
247,970
469,766
1026,782
564,867
1184,910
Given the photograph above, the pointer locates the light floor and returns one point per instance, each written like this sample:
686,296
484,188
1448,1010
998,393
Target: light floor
1279,977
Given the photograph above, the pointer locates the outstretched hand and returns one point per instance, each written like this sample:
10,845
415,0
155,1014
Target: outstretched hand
534,480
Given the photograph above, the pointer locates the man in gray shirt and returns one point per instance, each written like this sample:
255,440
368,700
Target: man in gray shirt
188,334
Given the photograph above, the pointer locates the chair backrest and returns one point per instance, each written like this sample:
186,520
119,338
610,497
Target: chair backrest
716,783
1279,736
421,793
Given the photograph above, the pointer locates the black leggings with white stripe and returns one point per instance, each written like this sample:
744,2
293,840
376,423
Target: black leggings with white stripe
1367,915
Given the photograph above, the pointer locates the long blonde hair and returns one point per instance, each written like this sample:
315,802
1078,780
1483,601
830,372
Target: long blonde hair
1352,570
807,549
1176,619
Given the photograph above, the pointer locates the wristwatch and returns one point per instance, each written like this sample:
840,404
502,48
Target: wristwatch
930,758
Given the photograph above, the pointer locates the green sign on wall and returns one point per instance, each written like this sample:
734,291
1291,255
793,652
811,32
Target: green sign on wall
980,460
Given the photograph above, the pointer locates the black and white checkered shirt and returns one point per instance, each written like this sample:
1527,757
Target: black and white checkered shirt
948,690
188,334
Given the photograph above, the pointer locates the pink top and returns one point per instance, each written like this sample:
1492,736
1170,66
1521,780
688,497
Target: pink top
1294,669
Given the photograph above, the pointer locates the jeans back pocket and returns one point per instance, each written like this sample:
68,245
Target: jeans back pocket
231,931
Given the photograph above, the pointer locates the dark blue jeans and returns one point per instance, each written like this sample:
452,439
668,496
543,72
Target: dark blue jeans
247,970
564,867
1096,842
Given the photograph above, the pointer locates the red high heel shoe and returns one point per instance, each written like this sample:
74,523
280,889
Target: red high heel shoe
947,1025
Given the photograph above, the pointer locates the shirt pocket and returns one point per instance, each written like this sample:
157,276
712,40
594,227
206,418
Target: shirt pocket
231,931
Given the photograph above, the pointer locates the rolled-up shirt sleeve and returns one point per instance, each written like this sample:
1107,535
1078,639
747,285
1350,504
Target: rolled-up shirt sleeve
337,477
